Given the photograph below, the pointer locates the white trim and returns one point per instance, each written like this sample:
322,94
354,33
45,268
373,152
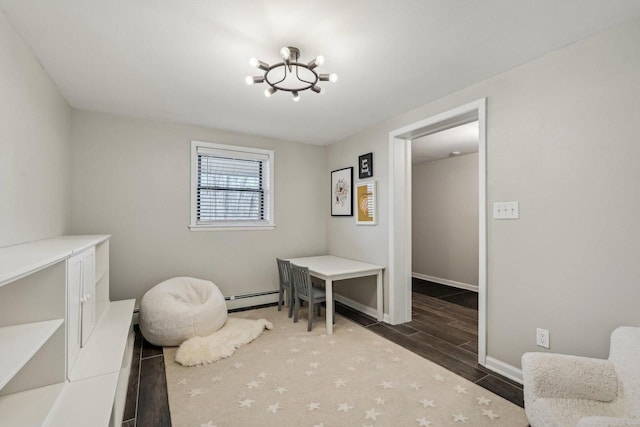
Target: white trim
400,212
246,152
370,311
504,369
252,301
231,228
453,283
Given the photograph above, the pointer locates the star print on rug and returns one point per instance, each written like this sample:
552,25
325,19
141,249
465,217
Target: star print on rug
273,408
311,406
427,403
246,403
386,384
489,413
371,414
329,386
459,389
195,392
344,407
459,418
253,384
483,400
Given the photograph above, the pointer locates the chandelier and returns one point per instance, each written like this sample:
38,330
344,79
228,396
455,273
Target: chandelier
290,75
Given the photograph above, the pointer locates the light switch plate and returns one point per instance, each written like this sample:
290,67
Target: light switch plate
506,210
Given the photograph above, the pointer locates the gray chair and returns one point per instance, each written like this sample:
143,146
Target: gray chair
305,291
284,271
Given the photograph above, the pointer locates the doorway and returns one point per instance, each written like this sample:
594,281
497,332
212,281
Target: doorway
400,240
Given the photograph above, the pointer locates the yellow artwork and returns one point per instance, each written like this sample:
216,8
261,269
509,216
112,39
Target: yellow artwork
366,198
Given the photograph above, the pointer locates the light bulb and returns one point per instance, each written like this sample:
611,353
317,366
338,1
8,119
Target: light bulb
316,62
296,96
285,53
317,89
254,62
333,77
252,80
270,91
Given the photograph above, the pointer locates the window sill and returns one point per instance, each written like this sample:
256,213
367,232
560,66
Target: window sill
232,227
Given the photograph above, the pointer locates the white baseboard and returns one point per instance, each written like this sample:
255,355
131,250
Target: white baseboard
447,282
360,307
504,369
252,301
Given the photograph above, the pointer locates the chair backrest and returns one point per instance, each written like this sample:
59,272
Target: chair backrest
624,353
301,280
284,271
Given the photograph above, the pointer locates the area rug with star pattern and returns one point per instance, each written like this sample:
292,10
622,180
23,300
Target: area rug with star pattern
291,377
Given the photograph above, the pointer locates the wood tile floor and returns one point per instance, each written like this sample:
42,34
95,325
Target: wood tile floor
444,330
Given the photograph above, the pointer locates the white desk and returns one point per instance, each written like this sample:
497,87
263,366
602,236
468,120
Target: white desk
330,268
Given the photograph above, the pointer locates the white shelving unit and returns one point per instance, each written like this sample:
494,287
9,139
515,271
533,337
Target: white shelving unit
36,387
20,342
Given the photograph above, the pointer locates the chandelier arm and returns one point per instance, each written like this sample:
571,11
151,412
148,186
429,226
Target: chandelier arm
284,66
303,80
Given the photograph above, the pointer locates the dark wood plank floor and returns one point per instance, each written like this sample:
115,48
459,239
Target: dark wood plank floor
444,329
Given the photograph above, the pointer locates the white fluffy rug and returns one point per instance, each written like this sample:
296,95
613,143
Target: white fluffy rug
222,343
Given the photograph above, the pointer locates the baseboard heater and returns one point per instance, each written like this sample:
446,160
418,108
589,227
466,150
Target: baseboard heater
253,295
254,299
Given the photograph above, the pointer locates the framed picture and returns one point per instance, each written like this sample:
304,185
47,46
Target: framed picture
342,192
365,166
366,203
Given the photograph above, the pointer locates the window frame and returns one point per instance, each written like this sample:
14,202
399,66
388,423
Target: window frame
267,224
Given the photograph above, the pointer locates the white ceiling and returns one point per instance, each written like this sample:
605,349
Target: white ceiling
185,61
440,145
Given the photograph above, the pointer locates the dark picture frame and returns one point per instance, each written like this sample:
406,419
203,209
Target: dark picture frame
365,166
342,192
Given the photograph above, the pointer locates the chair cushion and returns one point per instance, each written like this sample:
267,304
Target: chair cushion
181,308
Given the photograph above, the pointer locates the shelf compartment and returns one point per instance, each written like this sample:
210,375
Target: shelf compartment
77,404
104,351
29,408
20,343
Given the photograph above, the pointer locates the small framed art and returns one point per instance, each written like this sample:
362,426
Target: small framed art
366,203
365,166
342,192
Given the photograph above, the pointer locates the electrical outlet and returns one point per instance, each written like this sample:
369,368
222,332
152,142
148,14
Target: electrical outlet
542,337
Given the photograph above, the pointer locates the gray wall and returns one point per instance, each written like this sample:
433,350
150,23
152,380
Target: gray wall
562,138
131,179
35,146
444,206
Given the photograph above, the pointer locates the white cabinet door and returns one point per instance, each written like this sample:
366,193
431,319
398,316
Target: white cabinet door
74,308
88,294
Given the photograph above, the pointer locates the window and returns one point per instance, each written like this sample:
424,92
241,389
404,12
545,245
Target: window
231,187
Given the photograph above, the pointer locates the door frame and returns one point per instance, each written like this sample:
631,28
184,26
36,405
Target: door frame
400,211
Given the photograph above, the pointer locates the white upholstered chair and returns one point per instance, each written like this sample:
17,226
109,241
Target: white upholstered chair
563,391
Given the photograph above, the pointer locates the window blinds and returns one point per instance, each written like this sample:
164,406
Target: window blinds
232,186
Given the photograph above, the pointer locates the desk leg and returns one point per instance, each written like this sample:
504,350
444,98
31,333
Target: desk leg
380,296
328,288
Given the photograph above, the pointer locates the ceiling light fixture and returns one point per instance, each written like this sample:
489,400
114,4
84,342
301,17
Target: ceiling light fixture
290,75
